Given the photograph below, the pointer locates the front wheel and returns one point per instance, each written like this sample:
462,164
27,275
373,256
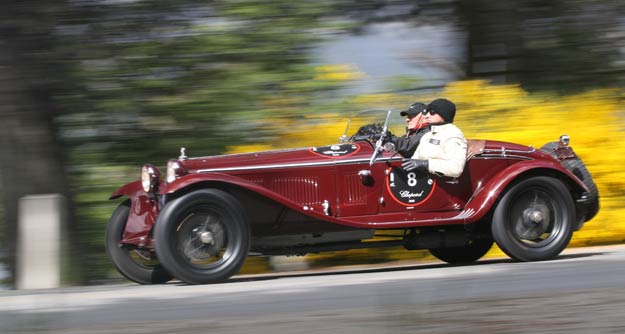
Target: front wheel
202,237
534,219
137,265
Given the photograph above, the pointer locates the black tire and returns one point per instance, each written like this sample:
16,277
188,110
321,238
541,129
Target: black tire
137,265
578,168
534,219
202,237
471,252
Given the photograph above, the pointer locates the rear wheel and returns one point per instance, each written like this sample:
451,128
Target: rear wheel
202,237
137,265
471,252
534,219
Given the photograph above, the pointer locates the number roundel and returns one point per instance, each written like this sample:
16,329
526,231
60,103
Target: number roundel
336,151
409,188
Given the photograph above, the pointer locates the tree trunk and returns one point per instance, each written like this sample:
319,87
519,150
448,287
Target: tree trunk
32,159
494,41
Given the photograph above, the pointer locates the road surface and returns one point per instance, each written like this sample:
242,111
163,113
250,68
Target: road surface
582,291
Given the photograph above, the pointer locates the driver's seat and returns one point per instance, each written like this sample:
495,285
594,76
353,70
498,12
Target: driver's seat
474,147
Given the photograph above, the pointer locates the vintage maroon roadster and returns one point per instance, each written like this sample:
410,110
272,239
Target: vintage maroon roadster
201,220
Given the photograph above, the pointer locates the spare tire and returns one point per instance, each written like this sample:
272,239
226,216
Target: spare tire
576,166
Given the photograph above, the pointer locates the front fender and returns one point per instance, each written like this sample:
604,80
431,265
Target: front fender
485,197
225,179
142,214
144,209
127,190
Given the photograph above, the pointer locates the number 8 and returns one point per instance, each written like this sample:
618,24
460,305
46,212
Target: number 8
412,179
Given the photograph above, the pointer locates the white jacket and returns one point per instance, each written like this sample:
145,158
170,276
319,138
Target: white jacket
445,148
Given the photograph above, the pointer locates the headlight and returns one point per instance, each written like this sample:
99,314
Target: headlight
174,170
149,178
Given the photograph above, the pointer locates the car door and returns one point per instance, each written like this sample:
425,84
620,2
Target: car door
422,191
357,190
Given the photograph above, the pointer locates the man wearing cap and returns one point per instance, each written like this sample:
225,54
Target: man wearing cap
415,129
443,150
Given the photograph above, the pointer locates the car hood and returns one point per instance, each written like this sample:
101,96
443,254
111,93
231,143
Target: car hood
276,158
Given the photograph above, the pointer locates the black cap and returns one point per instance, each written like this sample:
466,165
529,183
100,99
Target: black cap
414,109
443,107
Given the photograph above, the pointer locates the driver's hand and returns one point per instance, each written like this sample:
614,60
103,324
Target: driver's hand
416,165
387,136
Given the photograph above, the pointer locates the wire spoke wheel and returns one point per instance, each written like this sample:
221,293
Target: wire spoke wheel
143,258
471,252
138,265
202,237
534,219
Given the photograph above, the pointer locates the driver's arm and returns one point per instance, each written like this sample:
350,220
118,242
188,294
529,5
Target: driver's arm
406,146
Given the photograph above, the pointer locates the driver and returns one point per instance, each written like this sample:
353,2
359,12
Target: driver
415,129
443,150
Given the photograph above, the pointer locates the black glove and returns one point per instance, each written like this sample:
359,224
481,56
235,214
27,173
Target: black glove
377,136
389,137
416,165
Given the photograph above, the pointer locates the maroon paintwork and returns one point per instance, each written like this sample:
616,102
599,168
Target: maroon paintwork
300,180
200,219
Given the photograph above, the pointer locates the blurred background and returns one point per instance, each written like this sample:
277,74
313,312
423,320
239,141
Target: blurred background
92,89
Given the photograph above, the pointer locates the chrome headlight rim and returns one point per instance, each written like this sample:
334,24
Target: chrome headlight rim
149,178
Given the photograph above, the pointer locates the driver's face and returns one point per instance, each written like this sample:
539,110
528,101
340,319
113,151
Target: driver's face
433,118
413,121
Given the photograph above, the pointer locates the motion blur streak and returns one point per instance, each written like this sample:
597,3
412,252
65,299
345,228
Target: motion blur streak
92,89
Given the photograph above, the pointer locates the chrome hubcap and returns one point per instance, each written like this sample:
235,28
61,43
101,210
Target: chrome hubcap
207,238
536,217
534,222
202,239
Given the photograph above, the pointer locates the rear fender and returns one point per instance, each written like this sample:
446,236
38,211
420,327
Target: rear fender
485,197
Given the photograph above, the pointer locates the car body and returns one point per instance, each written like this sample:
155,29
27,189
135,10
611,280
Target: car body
200,221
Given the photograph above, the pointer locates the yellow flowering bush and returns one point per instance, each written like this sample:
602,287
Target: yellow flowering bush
594,121
337,72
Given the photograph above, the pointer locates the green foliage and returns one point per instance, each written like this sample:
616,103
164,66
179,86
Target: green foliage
148,78
137,80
